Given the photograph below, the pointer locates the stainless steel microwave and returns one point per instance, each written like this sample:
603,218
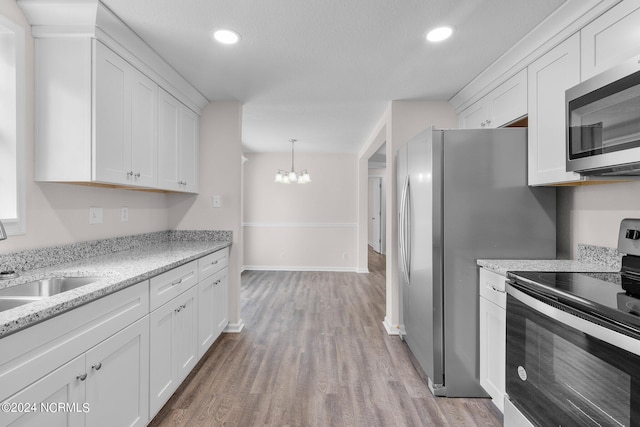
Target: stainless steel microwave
603,123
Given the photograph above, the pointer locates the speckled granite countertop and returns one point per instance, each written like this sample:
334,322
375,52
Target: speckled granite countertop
591,259
117,270
502,266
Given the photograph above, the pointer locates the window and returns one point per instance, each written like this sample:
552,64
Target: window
12,126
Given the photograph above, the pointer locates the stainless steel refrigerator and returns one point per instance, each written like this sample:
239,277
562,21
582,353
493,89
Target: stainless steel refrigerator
462,195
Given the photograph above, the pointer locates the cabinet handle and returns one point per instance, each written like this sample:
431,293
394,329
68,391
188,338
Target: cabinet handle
183,306
488,122
493,288
137,175
97,366
130,173
215,262
177,283
483,124
81,377
217,282
177,310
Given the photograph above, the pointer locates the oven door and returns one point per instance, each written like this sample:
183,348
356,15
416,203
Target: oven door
564,370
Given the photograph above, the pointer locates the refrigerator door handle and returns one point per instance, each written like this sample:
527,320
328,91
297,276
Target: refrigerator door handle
403,234
407,222
401,230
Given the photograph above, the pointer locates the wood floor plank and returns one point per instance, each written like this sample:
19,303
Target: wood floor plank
314,353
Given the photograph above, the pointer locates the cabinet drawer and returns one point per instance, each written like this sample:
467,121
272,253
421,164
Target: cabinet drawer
212,263
172,283
493,288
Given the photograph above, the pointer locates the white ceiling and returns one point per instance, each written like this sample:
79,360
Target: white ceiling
323,71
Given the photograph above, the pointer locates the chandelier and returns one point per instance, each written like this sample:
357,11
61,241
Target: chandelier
285,177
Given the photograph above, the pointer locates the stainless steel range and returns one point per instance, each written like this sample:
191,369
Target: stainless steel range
573,344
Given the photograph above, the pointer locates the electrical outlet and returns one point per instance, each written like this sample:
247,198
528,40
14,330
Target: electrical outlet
124,214
344,256
216,201
95,215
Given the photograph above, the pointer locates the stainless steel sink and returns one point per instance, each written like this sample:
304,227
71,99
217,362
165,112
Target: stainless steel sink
46,287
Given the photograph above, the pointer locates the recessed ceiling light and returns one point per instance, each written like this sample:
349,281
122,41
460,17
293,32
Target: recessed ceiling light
439,34
226,36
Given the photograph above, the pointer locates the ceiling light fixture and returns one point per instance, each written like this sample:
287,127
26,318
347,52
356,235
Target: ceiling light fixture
226,36
439,34
285,177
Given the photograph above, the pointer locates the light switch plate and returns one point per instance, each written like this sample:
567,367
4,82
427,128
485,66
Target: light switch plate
124,214
216,201
95,215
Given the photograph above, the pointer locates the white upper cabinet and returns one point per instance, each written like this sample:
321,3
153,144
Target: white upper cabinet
96,110
610,39
178,145
503,105
549,77
126,117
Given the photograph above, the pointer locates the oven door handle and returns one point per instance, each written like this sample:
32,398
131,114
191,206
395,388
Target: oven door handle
612,337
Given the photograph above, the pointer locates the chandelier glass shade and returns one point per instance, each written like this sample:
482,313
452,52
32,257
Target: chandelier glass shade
288,177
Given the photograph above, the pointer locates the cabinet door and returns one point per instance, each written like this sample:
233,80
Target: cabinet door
222,303
493,335
610,39
169,117
144,130
186,333
508,101
212,309
117,385
474,116
173,346
112,154
162,348
189,150
549,77
62,386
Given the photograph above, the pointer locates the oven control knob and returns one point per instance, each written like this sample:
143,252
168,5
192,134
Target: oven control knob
632,234
522,373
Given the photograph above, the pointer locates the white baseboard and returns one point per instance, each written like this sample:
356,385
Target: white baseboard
234,328
391,328
300,268
362,270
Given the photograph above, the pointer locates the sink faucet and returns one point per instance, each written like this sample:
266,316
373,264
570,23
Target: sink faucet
3,234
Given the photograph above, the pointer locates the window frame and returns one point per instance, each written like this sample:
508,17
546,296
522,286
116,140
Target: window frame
18,225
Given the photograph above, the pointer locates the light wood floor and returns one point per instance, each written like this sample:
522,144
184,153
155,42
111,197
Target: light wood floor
314,353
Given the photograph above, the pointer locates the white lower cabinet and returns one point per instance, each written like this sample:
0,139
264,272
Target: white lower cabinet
493,335
117,360
212,309
62,386
117,382
106,386
173,346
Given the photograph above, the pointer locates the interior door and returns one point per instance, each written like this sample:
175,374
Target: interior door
375,213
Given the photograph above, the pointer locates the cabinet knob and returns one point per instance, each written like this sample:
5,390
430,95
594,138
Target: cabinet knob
483,124
97,366
81,377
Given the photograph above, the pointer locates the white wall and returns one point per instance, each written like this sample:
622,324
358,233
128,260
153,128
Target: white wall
401,121
591,214
295,226
59,213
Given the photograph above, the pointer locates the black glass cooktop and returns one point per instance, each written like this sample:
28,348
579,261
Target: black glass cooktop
612,295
